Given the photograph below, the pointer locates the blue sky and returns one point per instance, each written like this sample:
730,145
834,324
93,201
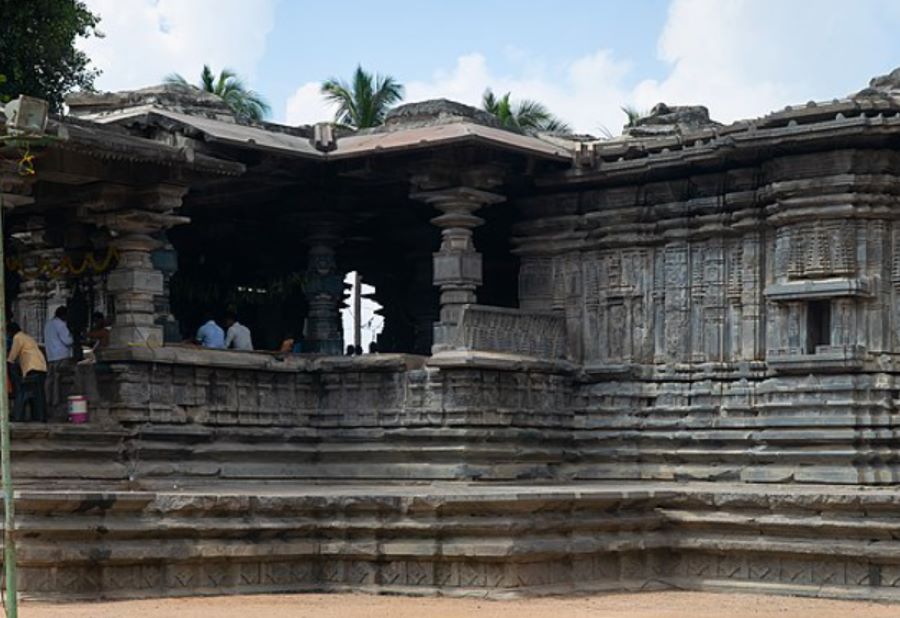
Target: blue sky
584,59
411,43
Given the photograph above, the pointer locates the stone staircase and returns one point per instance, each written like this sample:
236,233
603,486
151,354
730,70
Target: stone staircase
457,538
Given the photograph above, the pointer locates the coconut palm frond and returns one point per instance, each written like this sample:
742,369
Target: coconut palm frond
245,103
363,102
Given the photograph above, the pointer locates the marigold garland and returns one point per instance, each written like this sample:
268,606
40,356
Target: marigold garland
65,267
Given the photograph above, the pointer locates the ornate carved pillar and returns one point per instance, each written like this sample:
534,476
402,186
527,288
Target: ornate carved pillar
324,288
39,294
133,216
457,265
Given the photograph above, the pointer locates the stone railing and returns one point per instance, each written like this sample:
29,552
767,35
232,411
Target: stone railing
500,329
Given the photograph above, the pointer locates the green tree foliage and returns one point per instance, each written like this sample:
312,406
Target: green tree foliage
37,48
243,101
525,114
365,101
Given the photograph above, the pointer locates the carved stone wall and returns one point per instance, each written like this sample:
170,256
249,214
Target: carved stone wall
723,267
739,324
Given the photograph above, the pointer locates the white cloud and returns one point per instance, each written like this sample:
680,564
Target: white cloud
307,106
744,58
740,58
585,92
148,39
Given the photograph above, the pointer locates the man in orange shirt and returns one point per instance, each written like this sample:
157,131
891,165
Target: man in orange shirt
28,376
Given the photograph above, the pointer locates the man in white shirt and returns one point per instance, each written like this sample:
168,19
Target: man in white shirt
58,348
57,338
238,336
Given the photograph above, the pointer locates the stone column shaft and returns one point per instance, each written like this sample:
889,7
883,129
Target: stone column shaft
134,283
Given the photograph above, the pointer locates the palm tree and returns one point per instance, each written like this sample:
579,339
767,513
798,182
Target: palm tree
526,114
365,101
633,114
230,88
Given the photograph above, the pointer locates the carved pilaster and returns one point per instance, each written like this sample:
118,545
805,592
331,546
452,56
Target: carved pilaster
457,265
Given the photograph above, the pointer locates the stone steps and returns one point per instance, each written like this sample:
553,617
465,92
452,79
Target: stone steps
457,538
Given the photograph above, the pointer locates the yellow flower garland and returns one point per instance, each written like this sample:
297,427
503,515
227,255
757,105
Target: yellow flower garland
64,268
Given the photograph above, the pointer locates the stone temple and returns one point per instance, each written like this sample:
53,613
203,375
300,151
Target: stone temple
665,360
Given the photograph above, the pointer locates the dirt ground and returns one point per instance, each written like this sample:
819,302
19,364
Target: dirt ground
644,605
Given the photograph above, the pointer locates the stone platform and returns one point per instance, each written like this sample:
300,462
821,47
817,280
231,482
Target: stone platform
456,538
206,472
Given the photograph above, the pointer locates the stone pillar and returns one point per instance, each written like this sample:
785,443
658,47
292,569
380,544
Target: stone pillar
39,296
133,216
165,260
457,265
41,290
324,288
30,245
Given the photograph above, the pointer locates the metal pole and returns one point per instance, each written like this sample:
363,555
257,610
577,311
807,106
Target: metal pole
9,513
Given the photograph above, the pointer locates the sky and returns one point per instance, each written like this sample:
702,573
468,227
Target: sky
584,59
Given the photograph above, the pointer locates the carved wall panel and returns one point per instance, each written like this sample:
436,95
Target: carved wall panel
677,303
817,249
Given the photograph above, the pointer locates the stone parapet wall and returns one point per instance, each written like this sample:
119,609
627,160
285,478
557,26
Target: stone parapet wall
464,415
179,413
512,331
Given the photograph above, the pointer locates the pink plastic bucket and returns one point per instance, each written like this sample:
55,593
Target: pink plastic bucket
78,410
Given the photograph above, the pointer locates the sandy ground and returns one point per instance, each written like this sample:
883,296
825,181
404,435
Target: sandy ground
645,605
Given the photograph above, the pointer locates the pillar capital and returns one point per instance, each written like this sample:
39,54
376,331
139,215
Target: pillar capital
457,199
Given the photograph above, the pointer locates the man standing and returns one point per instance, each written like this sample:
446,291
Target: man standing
211,335
32,372
238,336
58,345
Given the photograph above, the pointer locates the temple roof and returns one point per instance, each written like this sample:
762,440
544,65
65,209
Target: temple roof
179,119
115,143
412,126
